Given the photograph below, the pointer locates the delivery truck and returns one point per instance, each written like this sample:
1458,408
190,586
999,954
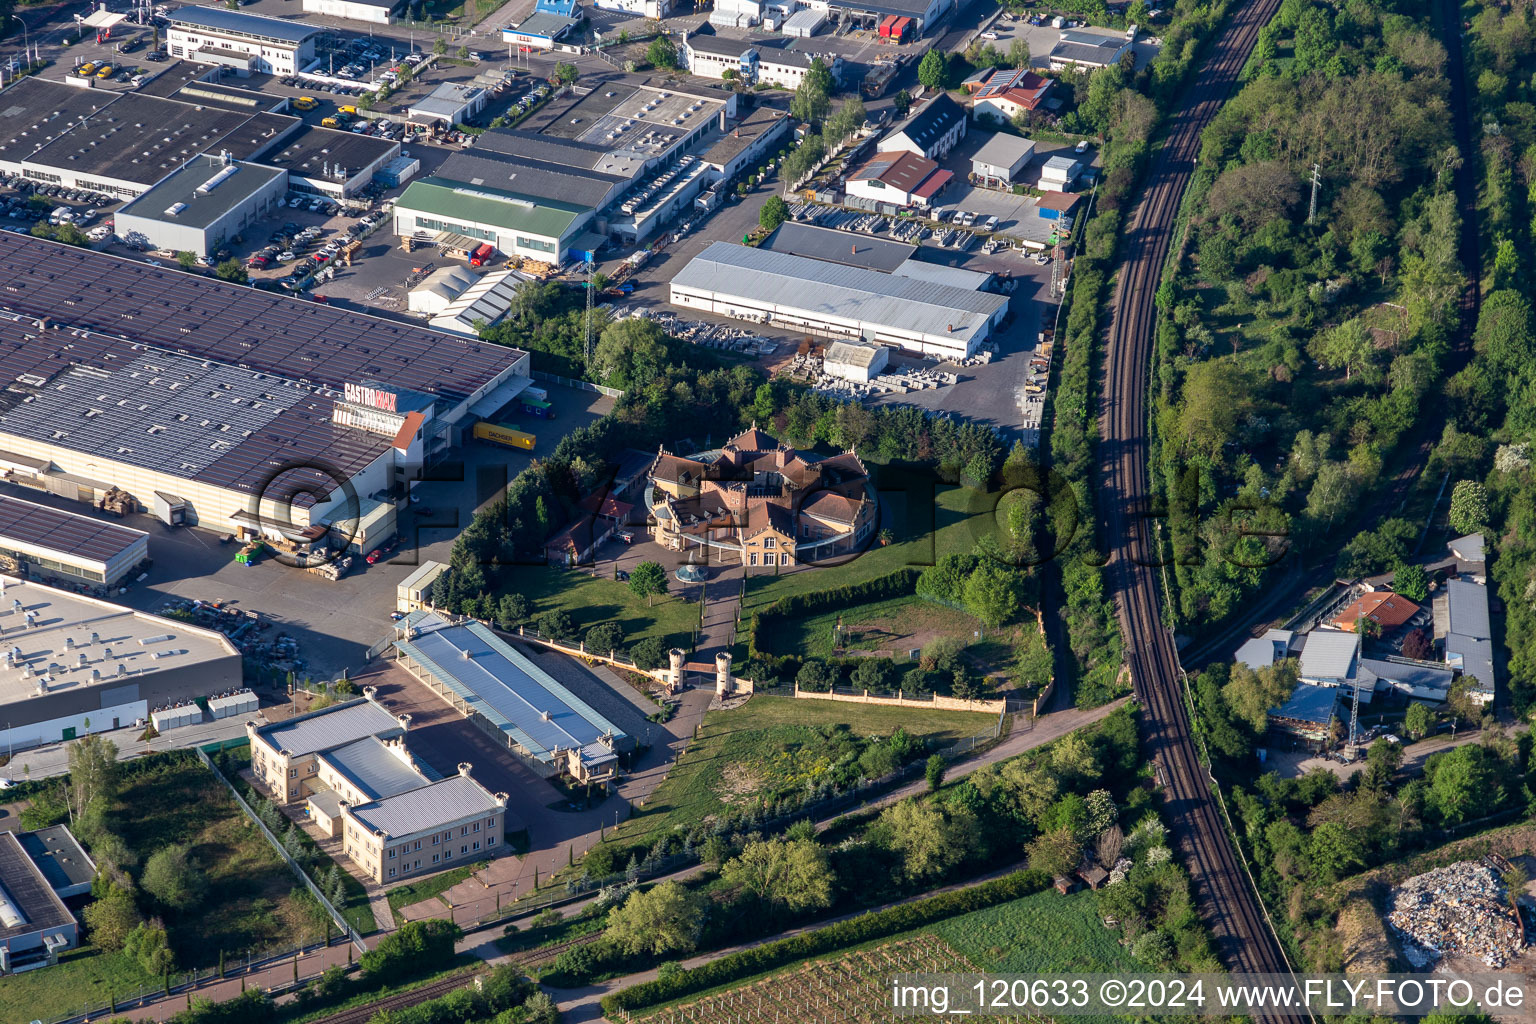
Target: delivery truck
481,256
496,433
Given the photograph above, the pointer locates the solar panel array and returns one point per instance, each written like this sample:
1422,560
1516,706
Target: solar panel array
84,537
242,326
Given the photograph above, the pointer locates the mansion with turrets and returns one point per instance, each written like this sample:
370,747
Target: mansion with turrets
758,502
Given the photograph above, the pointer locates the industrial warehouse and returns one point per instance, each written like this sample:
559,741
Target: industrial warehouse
612,164
937,320
74,665
262,416
126,144
51,544
547,726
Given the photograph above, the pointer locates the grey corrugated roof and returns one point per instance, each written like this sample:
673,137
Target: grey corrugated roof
67,532
1261,652
201,208
1467,603
534,146
427,807
59,856
330,727
29,891
1473,656
1407,675
370,766
866,251
1329,655
1468,548
851,293
724,46
507,689
563,185
220,19
851,353
1309,703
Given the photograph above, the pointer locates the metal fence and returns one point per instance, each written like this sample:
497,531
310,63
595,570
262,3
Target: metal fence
579,385
293,865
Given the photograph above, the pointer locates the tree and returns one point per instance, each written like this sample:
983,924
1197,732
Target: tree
462,53
1251,693
1333,851
816,676
992,593
416,947
813,96
774,212
556,624
902,101
1469,507
648,653
933,771
511,610
1348,346
148,945
931,840
232,270
1419,720
440,46
1411,581
1056,852
565,73
661,53
112,917
604,637
664,919
933,70
1073,759
173,879
629,353
647,580
793,874
93,772
187,259
1018,52
1418,644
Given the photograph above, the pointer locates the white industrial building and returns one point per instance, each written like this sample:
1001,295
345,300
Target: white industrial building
710,55
216,35
439,289
449,103
1081,50
798,293
72,665
203,205
932,130
264,415
1001,160
376,12
1058,173
653,9
856,361
46,543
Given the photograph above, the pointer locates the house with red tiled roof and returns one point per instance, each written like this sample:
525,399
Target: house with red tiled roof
1005,93
758,502
1386,609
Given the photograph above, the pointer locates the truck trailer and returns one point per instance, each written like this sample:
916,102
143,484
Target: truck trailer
497,433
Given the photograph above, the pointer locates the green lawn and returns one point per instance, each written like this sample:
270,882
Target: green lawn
895,626
767,742
1046,933
589,601
924,528
415,892
84,977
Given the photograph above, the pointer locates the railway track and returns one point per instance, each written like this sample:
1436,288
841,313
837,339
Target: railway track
399,1001
1225,896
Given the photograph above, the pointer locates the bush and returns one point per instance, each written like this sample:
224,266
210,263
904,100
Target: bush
419,947
604,637
649,653
867,927
556,625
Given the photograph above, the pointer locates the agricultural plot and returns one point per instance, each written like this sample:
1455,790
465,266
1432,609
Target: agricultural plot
854,988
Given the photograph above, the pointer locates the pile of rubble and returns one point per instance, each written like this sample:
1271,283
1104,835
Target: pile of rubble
1459,909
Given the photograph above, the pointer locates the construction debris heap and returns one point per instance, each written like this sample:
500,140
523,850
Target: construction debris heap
1460,909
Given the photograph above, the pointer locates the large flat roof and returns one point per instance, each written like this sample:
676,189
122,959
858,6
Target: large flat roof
219,19
129,136
1467,603
760,122
201,192
373,768
59,856
140,642
534,179
204,318
506,688
851,293
22,885
313,151
548,149
330,727
843,247
484,205
54,529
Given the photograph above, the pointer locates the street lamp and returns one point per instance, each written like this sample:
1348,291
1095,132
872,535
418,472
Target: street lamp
26,47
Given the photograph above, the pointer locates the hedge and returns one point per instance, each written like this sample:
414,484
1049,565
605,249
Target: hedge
901,583
761,959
